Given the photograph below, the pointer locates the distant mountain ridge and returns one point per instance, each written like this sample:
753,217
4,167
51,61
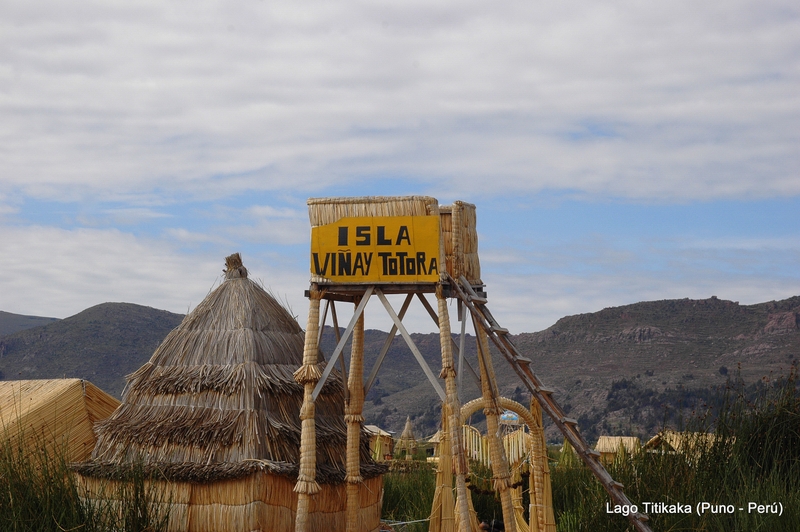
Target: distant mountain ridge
11,323
101,344
613,369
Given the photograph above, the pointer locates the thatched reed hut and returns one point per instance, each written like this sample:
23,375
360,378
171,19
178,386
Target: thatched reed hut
380,442
407,444
688,443
55,414
610,447
215,417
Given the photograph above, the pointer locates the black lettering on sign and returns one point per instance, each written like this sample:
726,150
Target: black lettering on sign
347,263
433,268
324,269
362,262
344,263
401,257
421,263
382,240
362,235
402,234
384,255
343,236
410,266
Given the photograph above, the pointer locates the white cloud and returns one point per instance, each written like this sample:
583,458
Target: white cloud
49,271
55,272
191,237
169,108
528,303
678,100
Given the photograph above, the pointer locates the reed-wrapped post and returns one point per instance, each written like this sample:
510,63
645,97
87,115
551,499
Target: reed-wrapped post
541,492
453,409
442,518
497,455
354,420
308,375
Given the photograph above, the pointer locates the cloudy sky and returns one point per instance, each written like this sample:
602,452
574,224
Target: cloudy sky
616,151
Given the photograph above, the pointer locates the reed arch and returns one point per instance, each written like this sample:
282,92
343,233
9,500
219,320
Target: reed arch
541,495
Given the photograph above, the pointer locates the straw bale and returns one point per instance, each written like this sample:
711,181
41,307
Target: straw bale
58,414
322,211
460,240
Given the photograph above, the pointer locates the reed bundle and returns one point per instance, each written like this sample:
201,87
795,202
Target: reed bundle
57,414
255,502
460,240
323,211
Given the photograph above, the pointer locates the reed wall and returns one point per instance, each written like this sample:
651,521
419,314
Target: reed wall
260,502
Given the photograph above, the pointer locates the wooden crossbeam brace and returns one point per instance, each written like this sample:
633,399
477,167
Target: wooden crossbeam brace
322,321
459,349
386,344
410,342
342,341
342,363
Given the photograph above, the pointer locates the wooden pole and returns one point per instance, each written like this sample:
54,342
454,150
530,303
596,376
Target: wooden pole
354,420
308,374
453,411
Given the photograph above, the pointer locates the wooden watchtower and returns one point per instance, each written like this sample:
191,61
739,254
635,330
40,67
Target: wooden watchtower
410,245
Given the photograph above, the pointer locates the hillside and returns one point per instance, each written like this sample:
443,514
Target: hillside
11,323
614,370
101,344
659,353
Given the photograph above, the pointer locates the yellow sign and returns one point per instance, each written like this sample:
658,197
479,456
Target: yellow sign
379,249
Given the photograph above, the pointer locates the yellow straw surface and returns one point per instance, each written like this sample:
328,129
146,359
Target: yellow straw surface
260,502
58,414
324,211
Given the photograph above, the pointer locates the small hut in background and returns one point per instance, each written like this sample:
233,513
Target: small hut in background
380,442
56,414
671,441
407,444
610,447
215,416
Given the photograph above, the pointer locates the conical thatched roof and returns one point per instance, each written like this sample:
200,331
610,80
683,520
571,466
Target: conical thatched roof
218,398
408,431
407,441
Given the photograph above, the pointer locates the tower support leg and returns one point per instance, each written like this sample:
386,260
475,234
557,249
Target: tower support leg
308,374
452,410
354,419
500,472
